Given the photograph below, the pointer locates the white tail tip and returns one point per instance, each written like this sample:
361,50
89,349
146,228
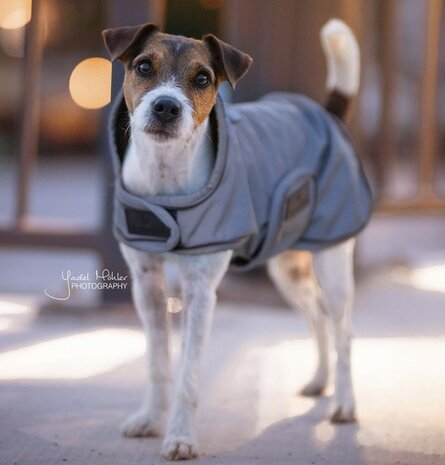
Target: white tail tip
343,57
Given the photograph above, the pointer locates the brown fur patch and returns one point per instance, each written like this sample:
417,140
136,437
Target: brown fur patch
297,263
172,57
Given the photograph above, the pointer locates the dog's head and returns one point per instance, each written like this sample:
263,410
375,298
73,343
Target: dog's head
171,82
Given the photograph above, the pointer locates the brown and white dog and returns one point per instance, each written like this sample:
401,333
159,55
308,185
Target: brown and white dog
170,88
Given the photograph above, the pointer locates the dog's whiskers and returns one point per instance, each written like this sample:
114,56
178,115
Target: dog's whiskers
196,125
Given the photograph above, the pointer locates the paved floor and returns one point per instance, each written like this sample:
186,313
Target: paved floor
68,379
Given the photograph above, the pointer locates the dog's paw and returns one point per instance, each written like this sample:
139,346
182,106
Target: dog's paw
313,389
343,414
179,448
141,424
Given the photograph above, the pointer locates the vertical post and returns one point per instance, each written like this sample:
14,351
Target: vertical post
29,134
156,10
428,134
386,46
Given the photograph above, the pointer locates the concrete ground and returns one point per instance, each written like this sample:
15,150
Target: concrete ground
67,379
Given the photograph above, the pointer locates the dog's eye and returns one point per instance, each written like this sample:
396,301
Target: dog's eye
143,68
202,80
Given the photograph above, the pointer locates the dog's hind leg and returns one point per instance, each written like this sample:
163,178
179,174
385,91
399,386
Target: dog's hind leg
318,322
333,268
150,302
293,276
201,275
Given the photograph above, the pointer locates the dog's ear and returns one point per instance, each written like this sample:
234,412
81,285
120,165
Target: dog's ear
230,63
121,39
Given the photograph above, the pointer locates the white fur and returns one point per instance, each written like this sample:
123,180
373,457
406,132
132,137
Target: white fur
343,57
183,166
326,297
178,166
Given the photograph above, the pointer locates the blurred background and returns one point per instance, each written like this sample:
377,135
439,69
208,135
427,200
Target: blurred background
56,83
56,87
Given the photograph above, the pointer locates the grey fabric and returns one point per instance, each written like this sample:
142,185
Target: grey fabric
286,177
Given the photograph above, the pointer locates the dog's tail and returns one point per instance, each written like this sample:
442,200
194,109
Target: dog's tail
343,62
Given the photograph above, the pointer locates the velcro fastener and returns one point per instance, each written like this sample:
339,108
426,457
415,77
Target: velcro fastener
146,223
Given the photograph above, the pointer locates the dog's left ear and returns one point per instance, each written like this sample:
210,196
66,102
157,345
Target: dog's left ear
121,39
230,63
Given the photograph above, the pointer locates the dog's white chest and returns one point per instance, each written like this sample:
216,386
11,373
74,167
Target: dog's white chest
175,168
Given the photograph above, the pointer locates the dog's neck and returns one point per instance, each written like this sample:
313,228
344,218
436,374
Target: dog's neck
170,168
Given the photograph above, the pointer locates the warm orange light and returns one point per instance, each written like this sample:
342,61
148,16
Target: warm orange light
90,83
15,13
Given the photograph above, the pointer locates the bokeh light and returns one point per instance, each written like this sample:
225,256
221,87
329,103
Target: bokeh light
174,305
15,13
90,83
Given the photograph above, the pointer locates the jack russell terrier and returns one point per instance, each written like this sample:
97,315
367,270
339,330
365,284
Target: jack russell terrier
205,184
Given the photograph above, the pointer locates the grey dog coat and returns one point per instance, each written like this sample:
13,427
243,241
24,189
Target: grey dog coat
285,177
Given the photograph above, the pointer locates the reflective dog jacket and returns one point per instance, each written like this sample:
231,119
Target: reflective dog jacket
285,177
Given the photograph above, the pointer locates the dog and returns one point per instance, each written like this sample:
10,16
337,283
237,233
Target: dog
170,88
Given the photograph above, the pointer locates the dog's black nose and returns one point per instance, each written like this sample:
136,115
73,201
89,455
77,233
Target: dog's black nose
166,109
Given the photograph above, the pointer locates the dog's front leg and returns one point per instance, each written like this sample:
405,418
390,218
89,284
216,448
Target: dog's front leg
150,302
201,276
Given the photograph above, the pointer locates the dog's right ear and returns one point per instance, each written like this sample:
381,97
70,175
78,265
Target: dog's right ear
121,39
